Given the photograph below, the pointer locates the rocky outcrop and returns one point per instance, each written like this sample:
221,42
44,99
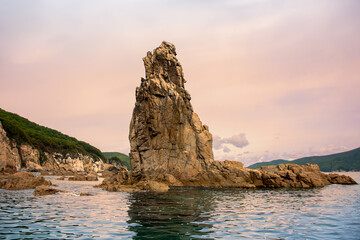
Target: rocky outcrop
295,176
67,164
225,174
119,179
23,180
29,155
14,157
10,159
169,145
110,170
167,139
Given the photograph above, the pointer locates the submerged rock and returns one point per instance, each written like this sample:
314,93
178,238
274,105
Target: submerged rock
23,180
169,145
83,177
45,190
86,194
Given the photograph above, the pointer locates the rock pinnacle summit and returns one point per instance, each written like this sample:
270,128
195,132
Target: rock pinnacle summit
167,139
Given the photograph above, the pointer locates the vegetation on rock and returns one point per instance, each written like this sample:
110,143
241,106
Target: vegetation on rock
42,138
119,158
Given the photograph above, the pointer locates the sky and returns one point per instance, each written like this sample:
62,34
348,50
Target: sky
271,78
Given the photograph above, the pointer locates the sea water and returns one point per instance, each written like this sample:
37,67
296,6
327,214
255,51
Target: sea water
332,212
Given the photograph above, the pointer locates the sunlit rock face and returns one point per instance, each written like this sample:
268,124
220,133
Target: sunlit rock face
10,159
168,141
171,147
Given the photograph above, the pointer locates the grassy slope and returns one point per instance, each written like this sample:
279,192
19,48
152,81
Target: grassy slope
123,158
345,161
45,139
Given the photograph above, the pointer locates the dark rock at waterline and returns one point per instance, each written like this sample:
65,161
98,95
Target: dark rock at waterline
23,180
86,194
83,177
295,176
45,190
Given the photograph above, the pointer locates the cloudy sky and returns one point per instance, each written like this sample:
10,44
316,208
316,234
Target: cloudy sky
271,78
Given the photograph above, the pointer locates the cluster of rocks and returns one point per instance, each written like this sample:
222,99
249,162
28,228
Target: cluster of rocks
295,176
282,175
120,179
26,180
23,180
84,177
169,145
14,157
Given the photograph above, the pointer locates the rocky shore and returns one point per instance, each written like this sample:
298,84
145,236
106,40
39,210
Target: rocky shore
15,157
280,176
41,186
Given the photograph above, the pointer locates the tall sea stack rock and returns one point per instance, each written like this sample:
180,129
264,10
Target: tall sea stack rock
171,147
168,141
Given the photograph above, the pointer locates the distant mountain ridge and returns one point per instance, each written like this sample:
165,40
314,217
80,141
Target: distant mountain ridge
344,161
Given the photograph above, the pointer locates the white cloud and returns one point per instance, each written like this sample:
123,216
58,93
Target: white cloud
217,142
238,141
226,149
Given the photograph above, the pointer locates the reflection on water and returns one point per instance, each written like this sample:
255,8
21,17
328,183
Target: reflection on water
332,212
178,214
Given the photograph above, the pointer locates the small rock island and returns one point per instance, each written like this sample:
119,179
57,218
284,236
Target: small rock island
171,147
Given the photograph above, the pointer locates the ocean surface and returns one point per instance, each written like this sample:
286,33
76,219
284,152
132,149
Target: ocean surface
332,212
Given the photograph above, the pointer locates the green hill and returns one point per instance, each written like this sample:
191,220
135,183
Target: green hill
345,161
42,138
274,162
118,157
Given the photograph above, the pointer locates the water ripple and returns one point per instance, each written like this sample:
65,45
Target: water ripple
332,212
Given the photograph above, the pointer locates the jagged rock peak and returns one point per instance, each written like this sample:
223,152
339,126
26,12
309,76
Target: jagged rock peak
163,64
167,138
169,146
